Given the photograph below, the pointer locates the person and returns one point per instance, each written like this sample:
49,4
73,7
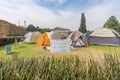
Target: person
16,42
86,36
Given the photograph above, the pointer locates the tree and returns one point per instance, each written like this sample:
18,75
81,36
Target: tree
82,27
37,28
31,28
42,30
45,30
112,22
118,28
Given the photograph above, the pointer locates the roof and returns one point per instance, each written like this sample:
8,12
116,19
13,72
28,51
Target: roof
105,32
7,29
59,28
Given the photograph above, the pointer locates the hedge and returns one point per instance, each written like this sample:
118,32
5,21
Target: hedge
4,41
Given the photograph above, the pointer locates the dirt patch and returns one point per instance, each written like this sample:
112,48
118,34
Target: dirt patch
80,52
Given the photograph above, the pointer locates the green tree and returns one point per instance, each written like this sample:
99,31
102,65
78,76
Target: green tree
82,27
45,30
112,22
118,28
31,28
42,30
37,28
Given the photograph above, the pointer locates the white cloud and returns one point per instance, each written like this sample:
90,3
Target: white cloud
61,2
30,12
65,13
96,15
35,14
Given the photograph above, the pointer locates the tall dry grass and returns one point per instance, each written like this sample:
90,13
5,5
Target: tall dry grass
60,68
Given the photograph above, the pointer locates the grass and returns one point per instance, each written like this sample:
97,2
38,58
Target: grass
106,49
31,50
43,65
23,50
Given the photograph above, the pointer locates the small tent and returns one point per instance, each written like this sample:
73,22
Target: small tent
77,39
105,36
78,43
32,36
44,39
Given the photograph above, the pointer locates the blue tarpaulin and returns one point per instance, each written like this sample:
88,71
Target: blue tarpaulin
8,48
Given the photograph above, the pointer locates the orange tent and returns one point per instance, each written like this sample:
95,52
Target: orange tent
43,40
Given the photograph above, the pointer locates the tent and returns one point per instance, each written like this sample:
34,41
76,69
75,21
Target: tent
78,43
44,39
77,39
32,36
105,36
60,33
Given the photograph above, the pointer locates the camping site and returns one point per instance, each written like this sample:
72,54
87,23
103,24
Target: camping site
50,55
59,40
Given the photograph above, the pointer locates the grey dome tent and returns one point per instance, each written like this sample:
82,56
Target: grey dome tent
105,36
77,39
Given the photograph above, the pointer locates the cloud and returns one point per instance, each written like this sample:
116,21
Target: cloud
61,2
43,16
31,12
65,13
36,14
98,14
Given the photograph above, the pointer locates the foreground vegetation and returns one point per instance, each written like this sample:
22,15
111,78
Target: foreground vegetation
60,68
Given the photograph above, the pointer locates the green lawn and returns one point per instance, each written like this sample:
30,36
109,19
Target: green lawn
31,50
106,49
23,50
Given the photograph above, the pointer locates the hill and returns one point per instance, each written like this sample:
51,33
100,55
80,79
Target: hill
7,28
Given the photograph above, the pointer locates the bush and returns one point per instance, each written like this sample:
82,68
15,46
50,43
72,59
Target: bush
4,41
60,68
15,35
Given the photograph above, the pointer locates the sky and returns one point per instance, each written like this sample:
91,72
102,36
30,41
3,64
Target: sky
59,13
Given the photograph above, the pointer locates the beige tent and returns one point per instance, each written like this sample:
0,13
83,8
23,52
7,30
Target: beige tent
75,35
32,36
105,36
77,39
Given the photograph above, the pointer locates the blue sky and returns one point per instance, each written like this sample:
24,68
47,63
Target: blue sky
63,13
63,4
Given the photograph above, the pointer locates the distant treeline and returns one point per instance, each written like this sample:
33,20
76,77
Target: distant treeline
32,28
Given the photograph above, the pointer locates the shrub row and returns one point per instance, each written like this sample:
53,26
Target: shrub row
15,35
4,41
62,68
